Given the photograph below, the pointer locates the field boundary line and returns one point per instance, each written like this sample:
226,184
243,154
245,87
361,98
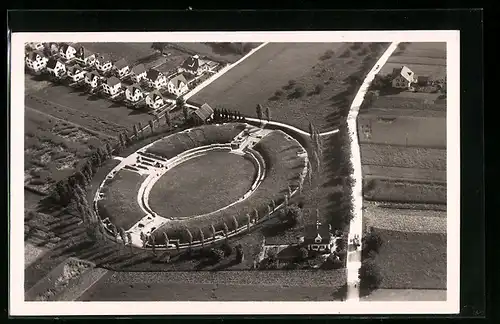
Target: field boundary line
69,122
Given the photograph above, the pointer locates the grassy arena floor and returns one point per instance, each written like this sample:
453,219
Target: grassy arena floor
202,185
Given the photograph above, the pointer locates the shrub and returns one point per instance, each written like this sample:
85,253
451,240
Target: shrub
278,93
299,92
372,242
318,88
217,254
327,55
369,275
347,53
341,244
227,249
293,214
303,254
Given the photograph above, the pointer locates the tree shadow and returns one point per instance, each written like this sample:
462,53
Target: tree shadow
116,105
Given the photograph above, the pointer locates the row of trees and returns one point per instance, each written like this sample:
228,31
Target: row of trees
263,112
224,115
369,273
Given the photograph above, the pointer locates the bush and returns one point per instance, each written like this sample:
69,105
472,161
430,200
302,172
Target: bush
227,249
216,254
347,53
292,214
369,275
299,92
341,244
318,88
356,46
278,93
303,254
372,242
327,55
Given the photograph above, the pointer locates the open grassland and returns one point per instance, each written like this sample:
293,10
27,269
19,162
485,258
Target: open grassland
404,220
120,199
202,185
132,52
297,81
405,101
401,130
412,260
404,191
217,51
53,148
402,156
387,172
274,147
405,295
218,286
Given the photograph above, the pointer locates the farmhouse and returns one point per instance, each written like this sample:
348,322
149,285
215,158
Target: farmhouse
134,93
202,114
155,100
112,86
156,79
56,67
36,61
318,238
76,73
103,63
84,56
92,79
138,73
178,85
67,51
194,65
403,78
121,68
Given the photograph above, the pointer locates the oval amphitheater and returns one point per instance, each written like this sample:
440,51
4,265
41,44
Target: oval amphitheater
201,185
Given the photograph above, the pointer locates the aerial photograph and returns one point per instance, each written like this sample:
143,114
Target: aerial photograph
237,171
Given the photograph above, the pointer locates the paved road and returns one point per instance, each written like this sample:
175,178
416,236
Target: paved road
298,130
356,225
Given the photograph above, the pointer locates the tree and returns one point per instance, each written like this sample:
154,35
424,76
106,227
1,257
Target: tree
140,129
123,235
129,240
165,238
225,229
217,254
259,111
268,113
369,275
143,239
168,120
127,139
372,242
272,255
273,204
311,129
151,126
202,237
293,214
289,191
235,223
212,230
256,213
189,236
227,248
158,47
115,232
239,253
136,131
152,242
180,103
286,201
269,210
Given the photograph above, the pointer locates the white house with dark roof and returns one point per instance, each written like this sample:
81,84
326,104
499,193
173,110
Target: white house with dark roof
194,65
84,56
36,61
178,85
156,79
112,86
103,63
67,51
56,67
134,93
92,79
138,73
121,68
76,73
36,46
403,78
155,100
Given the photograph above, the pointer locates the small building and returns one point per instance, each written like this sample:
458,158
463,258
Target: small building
92,79
56,67
319,238
76,73
178,85
36,61
202,114
155,100
36,46
423,80
134,93
112,86
85,57
103,63
138,73
194,65
156,79
67,52
121,68
403,78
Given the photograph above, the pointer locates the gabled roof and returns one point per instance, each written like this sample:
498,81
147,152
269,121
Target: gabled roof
312,232
192,63
75,68
52,62
33,55
103,58
112,81
406,73
204,112
178,79
133,87
64,47
120,64
92,75
138,69
83,53
153,74
154,95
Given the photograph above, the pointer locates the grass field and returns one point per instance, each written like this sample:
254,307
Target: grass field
211,50
120,199
218,286
404,191
412,260
404,157
388,172
404,102
263,79
406,295
131,52
202,185
402,130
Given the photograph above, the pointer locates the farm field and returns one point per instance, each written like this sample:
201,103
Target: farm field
131,52
320,70
402,130
405,102
213,51
412,260
120,199
202,185
404,191
373,171
405,295
217,286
